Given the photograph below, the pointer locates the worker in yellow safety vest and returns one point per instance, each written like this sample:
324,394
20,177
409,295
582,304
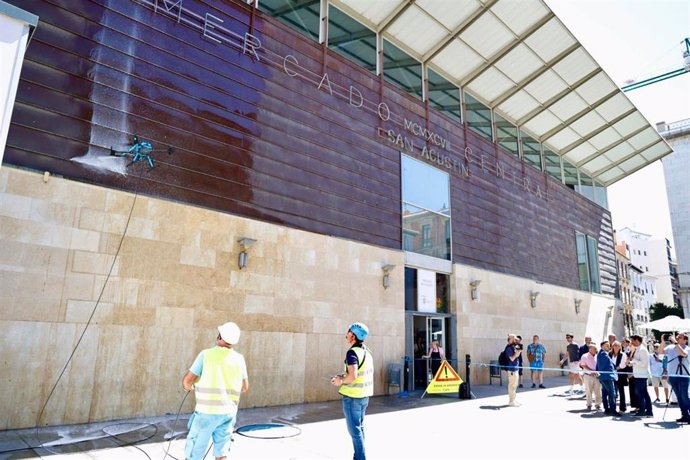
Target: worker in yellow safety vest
356,385
218,376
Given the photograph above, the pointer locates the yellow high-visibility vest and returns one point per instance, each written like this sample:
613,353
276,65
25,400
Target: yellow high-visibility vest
363,385
219,387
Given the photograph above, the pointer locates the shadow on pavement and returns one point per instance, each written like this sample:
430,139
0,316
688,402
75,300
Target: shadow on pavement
662,425
494,407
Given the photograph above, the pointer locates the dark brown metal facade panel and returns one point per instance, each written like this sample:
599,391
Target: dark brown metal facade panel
265,138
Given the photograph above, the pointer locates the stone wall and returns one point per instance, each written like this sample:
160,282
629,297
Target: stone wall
504,307
175,279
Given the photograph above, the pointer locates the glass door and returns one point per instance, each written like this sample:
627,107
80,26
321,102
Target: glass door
436,338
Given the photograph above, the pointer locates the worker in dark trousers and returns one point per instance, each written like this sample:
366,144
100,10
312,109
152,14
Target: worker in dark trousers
356,384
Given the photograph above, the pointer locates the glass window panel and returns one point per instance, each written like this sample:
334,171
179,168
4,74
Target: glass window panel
600,196
593,259
411,289
443,95
552,164
570,175
351,39
586,186
442,293
531,151
401,70
506,135
582,265
302,15
425,232
478,117
425,186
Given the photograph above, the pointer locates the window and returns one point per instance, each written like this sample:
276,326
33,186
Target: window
478,117
351,39
442,291
303,16
426,235
425,210
552,164
570,175
402,70
586,187
506,135
443,95
587,263
531,151
582,264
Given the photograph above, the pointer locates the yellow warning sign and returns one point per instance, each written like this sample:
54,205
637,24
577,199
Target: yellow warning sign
446,380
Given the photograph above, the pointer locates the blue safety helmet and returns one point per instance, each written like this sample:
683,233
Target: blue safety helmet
360,330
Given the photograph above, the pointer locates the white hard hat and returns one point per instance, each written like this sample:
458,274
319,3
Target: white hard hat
229,332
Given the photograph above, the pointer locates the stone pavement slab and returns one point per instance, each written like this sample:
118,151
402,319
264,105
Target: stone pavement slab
549,425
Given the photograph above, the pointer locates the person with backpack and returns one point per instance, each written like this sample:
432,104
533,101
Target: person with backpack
356,384
677,354
508,360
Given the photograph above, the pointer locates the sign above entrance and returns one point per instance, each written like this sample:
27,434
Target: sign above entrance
446,380
426,291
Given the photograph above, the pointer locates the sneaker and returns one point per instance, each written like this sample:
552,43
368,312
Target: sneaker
541,386
597,407
683,420
589,407
534,385
615,414
638,414
656,400
515,404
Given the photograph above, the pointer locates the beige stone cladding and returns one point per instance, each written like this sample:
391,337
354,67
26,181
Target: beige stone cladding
175,279
504,306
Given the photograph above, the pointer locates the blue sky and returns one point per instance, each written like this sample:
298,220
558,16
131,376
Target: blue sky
632,39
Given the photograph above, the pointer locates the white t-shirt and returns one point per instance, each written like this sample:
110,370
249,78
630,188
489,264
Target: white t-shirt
674,359
656,367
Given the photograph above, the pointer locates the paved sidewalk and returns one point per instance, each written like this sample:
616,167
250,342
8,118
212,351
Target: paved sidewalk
548,425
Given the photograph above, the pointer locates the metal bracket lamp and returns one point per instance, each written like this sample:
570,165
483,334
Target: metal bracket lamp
577,306
533,298
245,244
387,269
474,292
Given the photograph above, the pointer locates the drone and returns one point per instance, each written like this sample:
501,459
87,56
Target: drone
140,150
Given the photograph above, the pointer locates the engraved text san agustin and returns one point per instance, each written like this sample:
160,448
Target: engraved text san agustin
211,28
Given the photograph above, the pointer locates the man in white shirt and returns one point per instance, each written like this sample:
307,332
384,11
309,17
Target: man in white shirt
640,365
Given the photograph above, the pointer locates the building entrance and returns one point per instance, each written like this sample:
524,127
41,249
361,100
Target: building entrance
430,347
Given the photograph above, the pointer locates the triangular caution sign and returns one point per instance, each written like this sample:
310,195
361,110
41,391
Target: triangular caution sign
446,380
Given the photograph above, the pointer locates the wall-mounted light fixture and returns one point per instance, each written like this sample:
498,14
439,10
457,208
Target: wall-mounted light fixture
474,292
387,269
577,306
533,298
609,310
245,244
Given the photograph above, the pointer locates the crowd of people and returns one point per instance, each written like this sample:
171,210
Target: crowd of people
603,372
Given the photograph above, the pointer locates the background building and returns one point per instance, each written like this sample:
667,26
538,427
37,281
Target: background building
653,257
625,290
437,170
676,167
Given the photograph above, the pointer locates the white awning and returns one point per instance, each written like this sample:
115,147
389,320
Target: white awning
519,59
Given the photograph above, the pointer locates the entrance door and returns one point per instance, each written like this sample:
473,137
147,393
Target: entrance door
427,330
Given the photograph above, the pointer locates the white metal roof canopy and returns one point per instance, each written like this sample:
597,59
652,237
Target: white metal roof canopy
518,58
